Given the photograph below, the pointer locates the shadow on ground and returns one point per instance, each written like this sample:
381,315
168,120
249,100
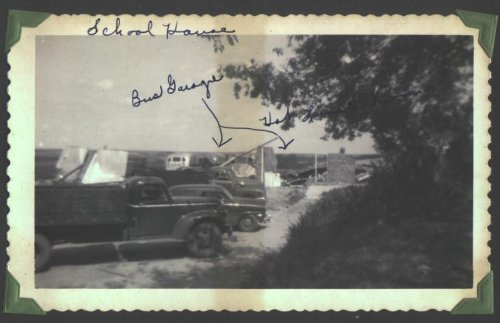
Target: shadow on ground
109,252
229,270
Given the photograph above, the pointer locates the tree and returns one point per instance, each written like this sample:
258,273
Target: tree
413,94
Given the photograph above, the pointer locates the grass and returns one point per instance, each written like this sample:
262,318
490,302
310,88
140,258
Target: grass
377,236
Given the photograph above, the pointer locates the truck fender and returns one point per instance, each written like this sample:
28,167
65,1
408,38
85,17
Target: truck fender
188,220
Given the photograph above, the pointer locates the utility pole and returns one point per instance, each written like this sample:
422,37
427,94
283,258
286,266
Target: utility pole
315,168
262,176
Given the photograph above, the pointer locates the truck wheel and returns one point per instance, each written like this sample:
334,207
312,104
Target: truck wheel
205,240
248,223
43,250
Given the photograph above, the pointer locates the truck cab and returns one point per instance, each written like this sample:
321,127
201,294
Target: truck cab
152,211
238,186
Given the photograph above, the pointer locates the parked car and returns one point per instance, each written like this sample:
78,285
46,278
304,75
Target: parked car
238,186
168,161
243,213
133,209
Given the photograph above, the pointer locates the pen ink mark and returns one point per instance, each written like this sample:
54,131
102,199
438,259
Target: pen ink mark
170,30
222,142
94,29
136,100
140,32
267,119
188,32
308,116
172,86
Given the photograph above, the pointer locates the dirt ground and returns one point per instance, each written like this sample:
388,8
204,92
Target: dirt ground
156,264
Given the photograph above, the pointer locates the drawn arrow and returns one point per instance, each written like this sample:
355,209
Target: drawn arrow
222,142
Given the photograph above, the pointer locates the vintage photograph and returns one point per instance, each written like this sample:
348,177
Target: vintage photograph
249,163
228,161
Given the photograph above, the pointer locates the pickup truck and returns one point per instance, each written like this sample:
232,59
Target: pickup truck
136,208
238,186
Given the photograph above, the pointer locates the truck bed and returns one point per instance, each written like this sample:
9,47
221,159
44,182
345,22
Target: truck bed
76,204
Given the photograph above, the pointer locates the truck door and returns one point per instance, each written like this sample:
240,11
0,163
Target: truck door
233,209
153,213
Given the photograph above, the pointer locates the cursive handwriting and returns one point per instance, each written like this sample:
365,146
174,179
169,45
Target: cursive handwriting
94,30
171,29
172,85
268,120
222,141
172,88
187,32
138,32
137,101
308,115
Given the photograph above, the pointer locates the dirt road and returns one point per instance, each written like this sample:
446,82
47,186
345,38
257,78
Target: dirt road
161,265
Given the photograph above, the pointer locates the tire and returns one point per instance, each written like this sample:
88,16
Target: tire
205,240
248,223
43,251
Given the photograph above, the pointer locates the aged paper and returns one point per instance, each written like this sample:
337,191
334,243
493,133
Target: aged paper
213,124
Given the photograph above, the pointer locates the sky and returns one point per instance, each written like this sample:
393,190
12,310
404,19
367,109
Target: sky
84,91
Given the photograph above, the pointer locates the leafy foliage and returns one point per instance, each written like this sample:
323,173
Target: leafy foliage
381,235
218,41
410,226
413,94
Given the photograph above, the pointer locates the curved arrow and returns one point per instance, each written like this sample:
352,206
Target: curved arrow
222,142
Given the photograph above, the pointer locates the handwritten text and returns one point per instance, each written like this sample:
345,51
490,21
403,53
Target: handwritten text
168,29
172,88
